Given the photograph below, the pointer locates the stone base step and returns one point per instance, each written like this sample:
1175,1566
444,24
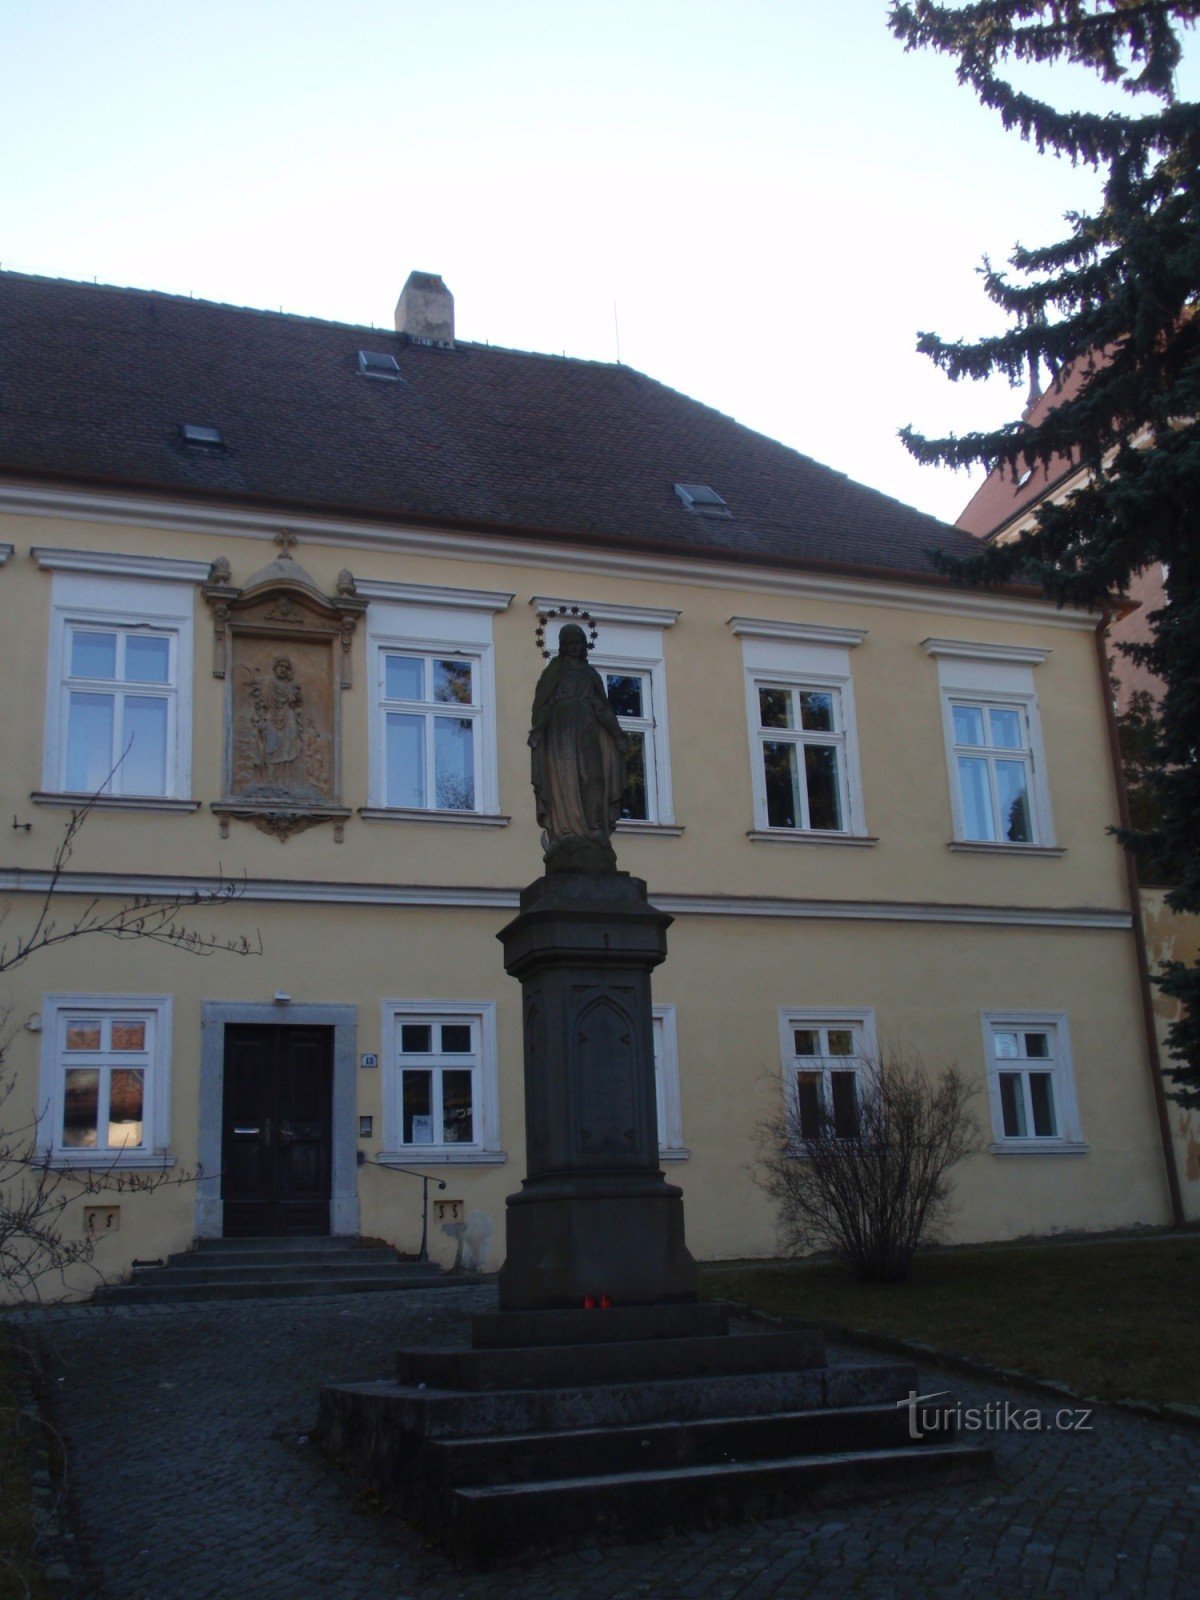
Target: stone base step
660,1446
357,1419
492,1523
554,1366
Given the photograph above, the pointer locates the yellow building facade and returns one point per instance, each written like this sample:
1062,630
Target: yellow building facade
876,807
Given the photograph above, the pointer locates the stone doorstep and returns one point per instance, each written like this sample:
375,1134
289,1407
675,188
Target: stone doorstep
554,1366
492,1524
292,1287
278,1272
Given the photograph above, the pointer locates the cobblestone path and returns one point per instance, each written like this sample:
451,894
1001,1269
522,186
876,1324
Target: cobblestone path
192,1479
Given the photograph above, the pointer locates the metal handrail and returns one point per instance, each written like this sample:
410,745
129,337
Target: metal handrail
364,1160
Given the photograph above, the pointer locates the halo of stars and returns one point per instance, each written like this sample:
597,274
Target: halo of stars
569,614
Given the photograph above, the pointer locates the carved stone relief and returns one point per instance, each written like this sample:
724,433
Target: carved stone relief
284,651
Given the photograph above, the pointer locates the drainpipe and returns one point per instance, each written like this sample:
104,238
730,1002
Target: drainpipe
1149,1025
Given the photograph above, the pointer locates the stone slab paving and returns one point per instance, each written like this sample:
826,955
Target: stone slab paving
192,1479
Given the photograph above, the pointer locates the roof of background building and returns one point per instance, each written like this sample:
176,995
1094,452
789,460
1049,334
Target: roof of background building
1004,495
96,384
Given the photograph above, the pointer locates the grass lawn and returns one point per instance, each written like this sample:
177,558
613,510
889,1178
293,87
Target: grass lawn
20,1578
1115,1319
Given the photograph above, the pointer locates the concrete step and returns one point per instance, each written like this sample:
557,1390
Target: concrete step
292,1242
337,1270
555,1366
162,1294
217,1261
525,1458
486,1525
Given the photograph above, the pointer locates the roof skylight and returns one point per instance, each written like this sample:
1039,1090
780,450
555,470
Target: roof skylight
377,364
702,499
204,437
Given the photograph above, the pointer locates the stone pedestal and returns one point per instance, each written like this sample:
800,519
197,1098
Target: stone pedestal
595,1215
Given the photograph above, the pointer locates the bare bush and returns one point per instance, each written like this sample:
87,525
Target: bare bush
39,1241
872,1184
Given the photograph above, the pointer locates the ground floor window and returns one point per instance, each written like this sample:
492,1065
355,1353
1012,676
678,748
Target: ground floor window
440,1079
1030,1083
828,1059
105,1078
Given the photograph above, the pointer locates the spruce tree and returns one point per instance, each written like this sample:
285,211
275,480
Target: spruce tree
1116,298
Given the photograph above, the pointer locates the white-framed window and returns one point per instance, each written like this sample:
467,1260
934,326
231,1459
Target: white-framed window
105,1086
433,703
1031,1088
802,755
666,1085
119,688
440,1098
431,724
829,1061
993,770
629,658
994,751
805,770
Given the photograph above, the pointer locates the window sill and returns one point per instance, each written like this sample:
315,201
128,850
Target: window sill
675,1153
985,847
469,819
113,802
665,830
808,836
110,1160
440,1156
1039,1147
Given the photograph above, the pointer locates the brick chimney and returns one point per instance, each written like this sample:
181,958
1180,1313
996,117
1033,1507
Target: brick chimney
425,311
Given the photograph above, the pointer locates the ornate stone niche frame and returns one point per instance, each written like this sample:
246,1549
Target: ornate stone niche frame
284,650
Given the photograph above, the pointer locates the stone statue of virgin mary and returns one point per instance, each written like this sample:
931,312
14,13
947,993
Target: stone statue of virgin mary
578,761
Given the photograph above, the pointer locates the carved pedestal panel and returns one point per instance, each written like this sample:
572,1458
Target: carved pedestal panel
595,1215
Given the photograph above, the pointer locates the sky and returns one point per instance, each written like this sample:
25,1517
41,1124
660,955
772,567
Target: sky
758,202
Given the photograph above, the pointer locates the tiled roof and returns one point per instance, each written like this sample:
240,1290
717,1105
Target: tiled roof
95,382
1003,495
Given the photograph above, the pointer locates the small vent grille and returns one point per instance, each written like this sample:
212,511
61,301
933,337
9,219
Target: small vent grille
702,499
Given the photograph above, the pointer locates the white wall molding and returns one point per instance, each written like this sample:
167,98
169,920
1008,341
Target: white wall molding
964,649
603,611
802,632
427,594
253,891
120,565
905,593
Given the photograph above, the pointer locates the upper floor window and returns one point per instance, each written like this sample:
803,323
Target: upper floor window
105,1087
994,770
629,657
805,771
433,691
994,752
432,719
120,693
119,688
802,752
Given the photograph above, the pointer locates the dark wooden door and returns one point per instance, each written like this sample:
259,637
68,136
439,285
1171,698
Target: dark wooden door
277,1130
